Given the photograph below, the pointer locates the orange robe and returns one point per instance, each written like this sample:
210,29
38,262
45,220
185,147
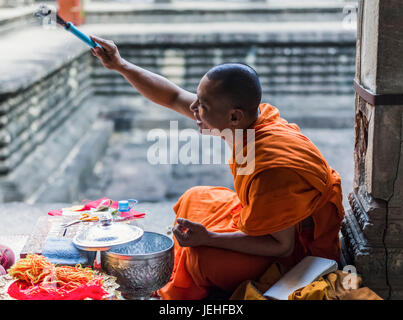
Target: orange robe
290,182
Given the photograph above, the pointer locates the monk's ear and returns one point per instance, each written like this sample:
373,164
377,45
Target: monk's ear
237,115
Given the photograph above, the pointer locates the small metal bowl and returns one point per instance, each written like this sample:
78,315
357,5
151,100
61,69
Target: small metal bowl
140,267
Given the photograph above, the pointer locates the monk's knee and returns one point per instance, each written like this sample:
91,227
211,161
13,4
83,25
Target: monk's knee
187,199
197,264
195,190
207,260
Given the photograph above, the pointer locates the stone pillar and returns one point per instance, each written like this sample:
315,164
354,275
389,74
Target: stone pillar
373,228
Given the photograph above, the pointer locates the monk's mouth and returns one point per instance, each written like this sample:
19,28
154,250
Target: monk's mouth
198,121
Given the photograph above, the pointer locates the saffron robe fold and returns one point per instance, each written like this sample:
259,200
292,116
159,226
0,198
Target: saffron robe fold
291,181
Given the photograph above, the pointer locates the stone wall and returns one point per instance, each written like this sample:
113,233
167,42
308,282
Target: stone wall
17,18
299,68
44,90
33,117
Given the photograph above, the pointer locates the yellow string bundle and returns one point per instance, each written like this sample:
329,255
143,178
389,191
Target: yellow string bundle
36,269
32,269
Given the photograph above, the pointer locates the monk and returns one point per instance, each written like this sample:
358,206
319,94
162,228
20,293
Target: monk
289,206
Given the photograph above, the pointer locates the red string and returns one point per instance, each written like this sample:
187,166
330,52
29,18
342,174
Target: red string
20,290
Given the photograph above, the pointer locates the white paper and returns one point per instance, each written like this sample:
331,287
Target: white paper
305,272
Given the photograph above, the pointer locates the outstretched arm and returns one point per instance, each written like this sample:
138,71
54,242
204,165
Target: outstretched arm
152,86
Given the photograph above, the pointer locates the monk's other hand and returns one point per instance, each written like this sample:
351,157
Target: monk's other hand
190,234
108,54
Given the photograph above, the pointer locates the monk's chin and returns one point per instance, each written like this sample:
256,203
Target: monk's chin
210,132
204,129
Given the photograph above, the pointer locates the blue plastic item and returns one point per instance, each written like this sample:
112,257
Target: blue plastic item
73,29
123,205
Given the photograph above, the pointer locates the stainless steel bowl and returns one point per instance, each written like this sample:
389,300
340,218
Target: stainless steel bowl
141,267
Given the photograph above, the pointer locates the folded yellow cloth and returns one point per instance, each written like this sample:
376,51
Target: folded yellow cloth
337,285
343,286
253,290
316,290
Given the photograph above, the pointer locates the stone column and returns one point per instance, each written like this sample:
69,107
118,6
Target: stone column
373,228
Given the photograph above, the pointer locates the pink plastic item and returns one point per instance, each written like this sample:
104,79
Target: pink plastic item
93,204
7,257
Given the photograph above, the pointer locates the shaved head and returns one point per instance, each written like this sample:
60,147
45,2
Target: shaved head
239,83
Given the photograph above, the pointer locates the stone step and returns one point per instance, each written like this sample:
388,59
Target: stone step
280,54
19,218
160,217
211,11
306,90
291,77
337,146
127,159
47,156
308,111
65,184
13,19
24,65
128,169
239,33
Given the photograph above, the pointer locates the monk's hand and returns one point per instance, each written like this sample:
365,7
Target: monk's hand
190,234
108,54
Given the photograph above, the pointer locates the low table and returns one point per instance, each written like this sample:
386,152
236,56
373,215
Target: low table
50,226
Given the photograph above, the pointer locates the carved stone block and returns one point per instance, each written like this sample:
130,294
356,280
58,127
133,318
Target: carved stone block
369,214
369,260
363,113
